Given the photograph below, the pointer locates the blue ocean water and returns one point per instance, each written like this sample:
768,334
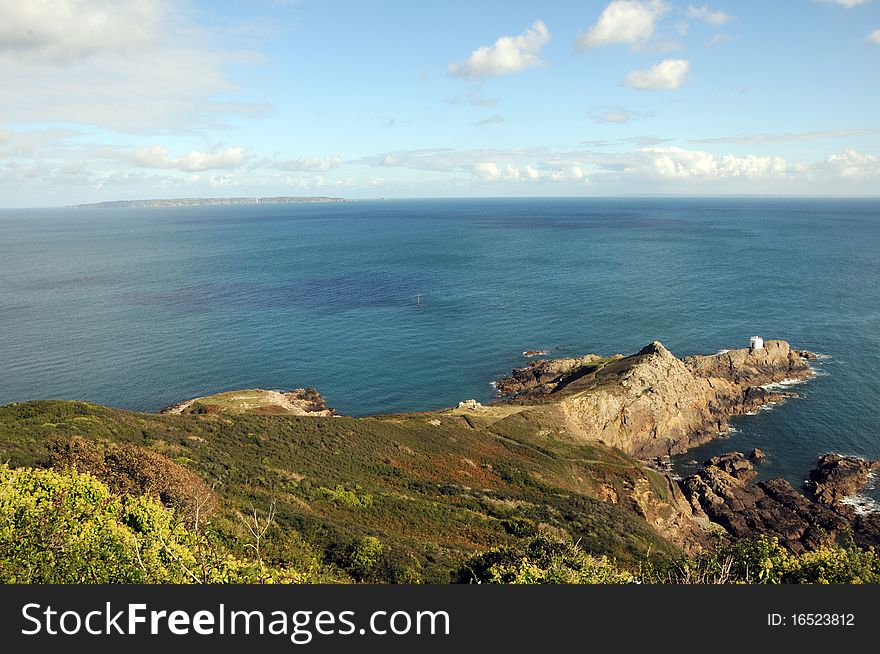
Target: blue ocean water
140,308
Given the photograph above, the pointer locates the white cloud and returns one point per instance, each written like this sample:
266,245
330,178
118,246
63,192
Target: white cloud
66,30
618,115
712,16
849,4
127,65
666,75
751,166
492,172
310,164
509,54
158,156
566,174
851,164
623,22
675,163
874,37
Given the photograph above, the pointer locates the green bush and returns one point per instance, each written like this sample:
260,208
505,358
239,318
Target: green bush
67,527
544,560
353,499
547,559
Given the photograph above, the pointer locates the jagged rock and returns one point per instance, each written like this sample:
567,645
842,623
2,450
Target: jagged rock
469,405
837,477
757,455
542,376
721,491
734,464
772,508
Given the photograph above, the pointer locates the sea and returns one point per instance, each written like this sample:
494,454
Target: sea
142,307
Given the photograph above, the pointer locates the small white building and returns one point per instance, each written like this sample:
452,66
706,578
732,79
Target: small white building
756,343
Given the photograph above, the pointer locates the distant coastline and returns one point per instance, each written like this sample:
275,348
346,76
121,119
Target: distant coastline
200,202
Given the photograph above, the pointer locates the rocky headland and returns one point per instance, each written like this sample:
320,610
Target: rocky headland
652,403
298,402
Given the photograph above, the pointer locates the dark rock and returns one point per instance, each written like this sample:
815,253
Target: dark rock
757,455
837,477
772,508
734,464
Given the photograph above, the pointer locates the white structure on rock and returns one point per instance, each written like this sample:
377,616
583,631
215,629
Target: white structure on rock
756,343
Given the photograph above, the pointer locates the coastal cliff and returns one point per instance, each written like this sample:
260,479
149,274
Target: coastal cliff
652,403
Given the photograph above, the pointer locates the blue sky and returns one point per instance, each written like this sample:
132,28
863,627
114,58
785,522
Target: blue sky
103,100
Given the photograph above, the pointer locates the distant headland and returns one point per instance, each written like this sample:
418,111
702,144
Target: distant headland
201,202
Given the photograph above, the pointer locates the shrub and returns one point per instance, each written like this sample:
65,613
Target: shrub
67,527
543,560
131,470
353,499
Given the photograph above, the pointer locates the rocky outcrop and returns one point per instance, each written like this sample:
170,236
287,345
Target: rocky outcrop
747,367
721,491
543,376
652,403
838,477
298,402
772,508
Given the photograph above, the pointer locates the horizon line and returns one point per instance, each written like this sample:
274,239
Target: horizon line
461,197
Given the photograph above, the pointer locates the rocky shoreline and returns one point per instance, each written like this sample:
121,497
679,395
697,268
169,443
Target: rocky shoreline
722,492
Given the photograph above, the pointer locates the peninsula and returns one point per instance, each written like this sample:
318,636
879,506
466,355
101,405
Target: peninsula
202,202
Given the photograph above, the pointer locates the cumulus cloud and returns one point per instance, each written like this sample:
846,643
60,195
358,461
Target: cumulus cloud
874,37
667,75
492,172
158,156
851,164
712,16
509,54
673,162
127,65
623,22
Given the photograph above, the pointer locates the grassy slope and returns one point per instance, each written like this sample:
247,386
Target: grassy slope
433,494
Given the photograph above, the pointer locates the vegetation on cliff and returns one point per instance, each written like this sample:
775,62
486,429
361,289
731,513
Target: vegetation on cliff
65,527
550,560
393,498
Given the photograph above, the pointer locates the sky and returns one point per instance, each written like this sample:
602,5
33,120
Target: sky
134,99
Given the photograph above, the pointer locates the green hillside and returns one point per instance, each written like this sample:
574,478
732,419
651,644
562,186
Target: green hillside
403,498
